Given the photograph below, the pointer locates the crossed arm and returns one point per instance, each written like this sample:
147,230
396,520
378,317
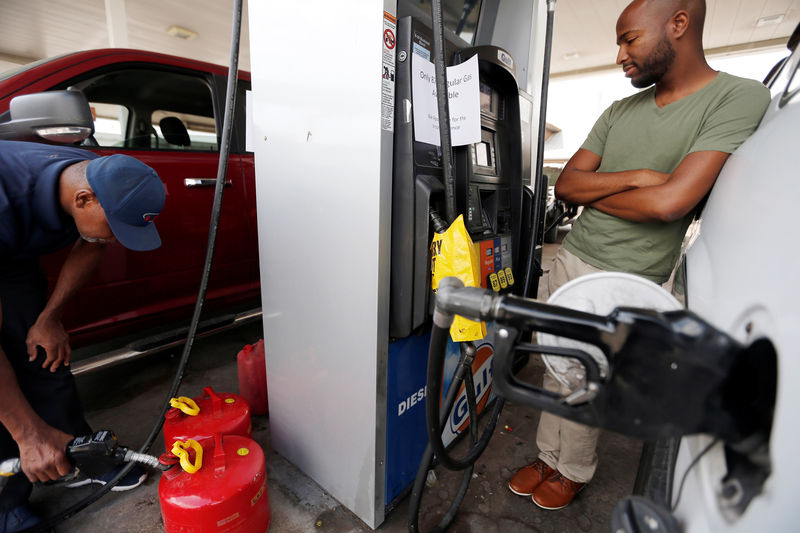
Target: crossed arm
640,195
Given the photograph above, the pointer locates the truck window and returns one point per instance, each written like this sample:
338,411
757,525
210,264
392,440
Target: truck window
109,123
150,108
184,131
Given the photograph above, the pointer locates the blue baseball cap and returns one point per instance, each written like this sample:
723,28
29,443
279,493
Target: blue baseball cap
132,196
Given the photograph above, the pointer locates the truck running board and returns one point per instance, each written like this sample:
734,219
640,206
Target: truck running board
163,341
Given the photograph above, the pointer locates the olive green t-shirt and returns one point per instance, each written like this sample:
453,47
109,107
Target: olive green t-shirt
634,133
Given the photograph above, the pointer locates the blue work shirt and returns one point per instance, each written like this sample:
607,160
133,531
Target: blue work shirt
32,222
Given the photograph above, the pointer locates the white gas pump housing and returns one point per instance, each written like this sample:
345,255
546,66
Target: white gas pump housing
323,183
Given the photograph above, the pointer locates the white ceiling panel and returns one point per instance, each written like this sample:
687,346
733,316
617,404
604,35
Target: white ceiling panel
36,29
584,31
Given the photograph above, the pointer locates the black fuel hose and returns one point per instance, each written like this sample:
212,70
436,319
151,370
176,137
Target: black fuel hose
443,105
462,370
436,355
537,216
230,102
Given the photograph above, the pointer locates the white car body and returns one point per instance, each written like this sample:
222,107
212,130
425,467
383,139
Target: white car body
743,276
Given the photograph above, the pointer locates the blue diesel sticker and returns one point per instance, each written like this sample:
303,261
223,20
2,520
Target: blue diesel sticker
406,434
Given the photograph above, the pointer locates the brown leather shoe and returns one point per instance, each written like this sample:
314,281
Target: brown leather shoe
556,492
529,477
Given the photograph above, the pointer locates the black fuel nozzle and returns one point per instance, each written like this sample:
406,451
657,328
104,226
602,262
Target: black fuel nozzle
669,374
97,453
92,455
438,223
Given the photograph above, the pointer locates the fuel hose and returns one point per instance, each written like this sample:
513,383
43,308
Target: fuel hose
436,418
230,102
443,106
463,369
537,216
436,357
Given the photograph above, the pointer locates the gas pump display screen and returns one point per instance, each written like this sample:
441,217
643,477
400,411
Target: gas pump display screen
486,98
483,154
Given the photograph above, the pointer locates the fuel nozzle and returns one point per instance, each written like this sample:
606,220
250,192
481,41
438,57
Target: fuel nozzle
93,455
97,453
438,223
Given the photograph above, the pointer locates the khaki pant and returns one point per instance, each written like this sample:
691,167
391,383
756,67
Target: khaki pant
567,446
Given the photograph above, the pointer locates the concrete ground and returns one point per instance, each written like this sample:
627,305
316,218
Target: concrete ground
127,398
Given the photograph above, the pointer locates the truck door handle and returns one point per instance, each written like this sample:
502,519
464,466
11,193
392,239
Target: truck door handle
193,183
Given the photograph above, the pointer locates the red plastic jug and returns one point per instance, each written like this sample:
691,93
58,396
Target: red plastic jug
199,418
253,377
220,485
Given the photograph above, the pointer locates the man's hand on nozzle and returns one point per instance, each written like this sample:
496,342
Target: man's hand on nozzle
43,455
49,333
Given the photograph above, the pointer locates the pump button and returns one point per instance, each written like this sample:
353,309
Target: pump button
501,275
509,276
494,282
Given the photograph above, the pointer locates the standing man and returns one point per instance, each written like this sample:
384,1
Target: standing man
50,197
647,163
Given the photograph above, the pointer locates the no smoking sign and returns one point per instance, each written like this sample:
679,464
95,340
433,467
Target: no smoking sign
388,39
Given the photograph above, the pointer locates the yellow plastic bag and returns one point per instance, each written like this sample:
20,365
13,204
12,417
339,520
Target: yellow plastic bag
454,254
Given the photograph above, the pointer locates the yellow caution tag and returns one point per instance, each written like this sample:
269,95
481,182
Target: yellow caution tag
509,276
495,283
502,277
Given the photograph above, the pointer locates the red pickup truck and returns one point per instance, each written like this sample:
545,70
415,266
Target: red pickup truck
167,112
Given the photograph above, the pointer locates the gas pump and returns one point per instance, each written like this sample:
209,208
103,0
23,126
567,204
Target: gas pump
344,196
488,179
488,193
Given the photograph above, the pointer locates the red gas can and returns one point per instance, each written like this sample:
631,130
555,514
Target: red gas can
227,493
200,418
253,377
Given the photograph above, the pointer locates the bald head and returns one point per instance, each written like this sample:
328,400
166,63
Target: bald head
656,37
662,11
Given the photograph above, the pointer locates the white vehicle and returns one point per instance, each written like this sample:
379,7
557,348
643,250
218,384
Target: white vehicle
741,277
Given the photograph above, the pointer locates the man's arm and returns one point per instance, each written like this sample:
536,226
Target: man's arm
48,332
580,183
41,447
686,186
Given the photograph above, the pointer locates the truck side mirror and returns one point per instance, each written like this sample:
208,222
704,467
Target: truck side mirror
56,116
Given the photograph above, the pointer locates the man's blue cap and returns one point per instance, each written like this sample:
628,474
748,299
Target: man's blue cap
132,196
